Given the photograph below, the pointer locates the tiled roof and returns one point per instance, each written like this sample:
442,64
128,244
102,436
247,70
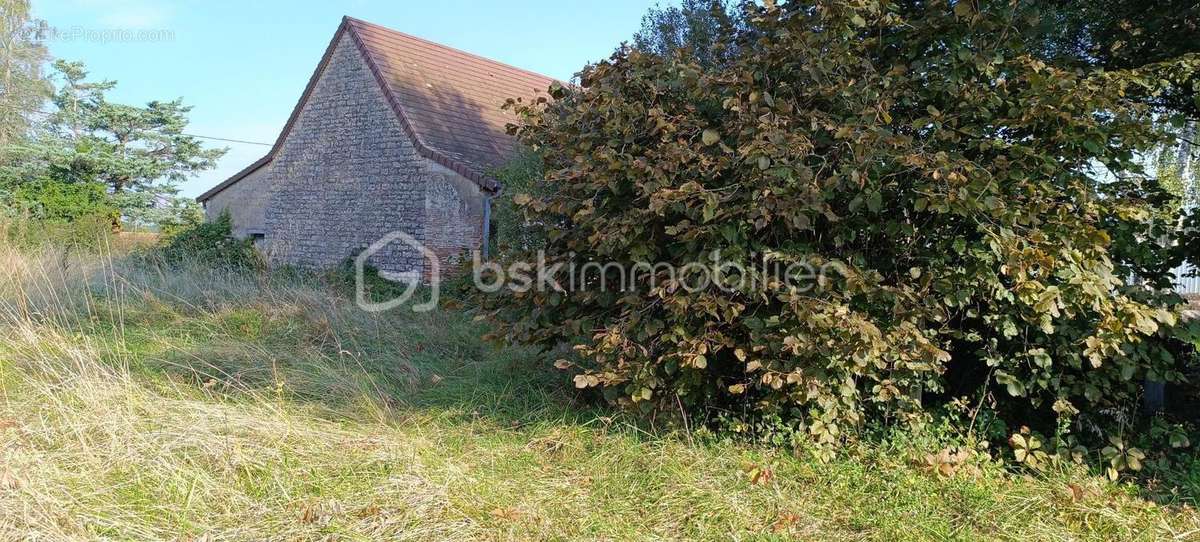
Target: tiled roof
448,101
451,99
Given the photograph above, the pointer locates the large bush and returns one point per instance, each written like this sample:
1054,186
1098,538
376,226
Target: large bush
209,244
513,233
88,233
43,211
55,201
952,181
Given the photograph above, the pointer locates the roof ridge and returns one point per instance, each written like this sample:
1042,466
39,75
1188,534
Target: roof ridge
357,21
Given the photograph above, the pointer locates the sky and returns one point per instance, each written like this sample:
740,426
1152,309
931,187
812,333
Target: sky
242,64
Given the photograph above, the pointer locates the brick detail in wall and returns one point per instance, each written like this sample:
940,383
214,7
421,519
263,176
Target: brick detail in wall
449,221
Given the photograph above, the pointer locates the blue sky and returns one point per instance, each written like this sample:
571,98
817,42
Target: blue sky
243,64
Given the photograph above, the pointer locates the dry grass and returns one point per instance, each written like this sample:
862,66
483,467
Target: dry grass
196,405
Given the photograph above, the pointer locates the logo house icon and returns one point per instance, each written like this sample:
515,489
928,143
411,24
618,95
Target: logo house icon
412,279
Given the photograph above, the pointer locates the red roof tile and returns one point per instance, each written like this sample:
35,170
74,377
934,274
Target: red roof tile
449,101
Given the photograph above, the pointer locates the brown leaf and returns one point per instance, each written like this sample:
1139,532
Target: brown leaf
785,522
760,475
309,514
319,513
369,511
1076,492
506,514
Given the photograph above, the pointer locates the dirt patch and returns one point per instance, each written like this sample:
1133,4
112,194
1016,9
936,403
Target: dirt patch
129,240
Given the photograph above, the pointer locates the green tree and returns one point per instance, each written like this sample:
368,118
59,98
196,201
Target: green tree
126,147
163,210
940,176
138,154
700,29
512,231
48,200
23,86
1121,34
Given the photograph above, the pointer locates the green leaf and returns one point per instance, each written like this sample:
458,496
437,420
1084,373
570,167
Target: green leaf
855,204
963,9
874,202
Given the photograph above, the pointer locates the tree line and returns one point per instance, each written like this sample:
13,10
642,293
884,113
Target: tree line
68,152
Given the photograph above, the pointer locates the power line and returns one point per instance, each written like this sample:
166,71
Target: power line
225,139
229,140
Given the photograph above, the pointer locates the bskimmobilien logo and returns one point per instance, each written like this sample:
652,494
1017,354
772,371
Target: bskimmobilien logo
412,280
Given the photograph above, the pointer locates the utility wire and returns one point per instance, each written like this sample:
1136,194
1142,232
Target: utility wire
229,140
225,139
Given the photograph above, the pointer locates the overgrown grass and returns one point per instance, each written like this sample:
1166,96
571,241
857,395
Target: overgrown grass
147,403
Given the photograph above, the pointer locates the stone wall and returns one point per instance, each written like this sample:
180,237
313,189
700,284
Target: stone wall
347,175
246,201
453,217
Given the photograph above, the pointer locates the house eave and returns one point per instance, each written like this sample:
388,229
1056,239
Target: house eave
235,178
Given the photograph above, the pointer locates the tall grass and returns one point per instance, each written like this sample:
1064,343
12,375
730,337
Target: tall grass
145,402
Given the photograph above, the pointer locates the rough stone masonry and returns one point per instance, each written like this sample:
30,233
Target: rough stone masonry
393,133
346,175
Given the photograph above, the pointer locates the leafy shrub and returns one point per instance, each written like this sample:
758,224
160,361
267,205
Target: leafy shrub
44,211
208,243
513,232
343,279
55,201
89,233
945,174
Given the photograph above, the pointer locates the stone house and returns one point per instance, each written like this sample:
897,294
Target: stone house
392,133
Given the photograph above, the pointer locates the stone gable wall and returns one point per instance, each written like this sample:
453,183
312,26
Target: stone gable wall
347,175
246,201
